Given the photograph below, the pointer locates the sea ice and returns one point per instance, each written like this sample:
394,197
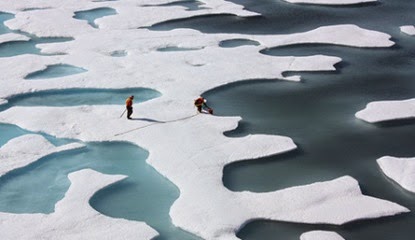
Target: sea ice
320,235
401,170
74,218
189,149
387,110
11,37
26,149
408,29
331,2
177,144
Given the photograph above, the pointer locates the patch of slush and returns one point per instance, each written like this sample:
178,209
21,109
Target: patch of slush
332,2
380,111
119,53
401,170
91,15
55,71
321,235
175,49
33,9
73,217
408,29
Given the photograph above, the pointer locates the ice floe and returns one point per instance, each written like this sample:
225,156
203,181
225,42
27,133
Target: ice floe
387,110
401,170
11,37
74,218
26,149
189,149
331,2
320,235
408,29
3,101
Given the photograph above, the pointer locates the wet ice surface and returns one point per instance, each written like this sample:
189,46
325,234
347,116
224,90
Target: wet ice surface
167,127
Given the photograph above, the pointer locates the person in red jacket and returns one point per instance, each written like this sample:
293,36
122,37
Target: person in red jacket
129,106
200,102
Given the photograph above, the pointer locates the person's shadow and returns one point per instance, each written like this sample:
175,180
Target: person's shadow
147,120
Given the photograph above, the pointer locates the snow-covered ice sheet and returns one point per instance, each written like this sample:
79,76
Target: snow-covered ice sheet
177,150
320,235
331,2
401,170
387,110
11,37
408,29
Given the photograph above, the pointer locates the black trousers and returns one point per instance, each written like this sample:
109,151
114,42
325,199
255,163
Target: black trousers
129,112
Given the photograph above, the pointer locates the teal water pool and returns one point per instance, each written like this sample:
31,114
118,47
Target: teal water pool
91,15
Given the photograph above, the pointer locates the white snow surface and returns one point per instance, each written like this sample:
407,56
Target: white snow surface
189,149
401,170
331,2
408,29
320,235
11,37
26,149
74,218
387,110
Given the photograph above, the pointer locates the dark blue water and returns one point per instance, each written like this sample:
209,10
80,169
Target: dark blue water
279,17
119,53
91,15
237,43
190,5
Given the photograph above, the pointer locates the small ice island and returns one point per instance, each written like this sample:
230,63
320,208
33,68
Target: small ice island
332,2
196,168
